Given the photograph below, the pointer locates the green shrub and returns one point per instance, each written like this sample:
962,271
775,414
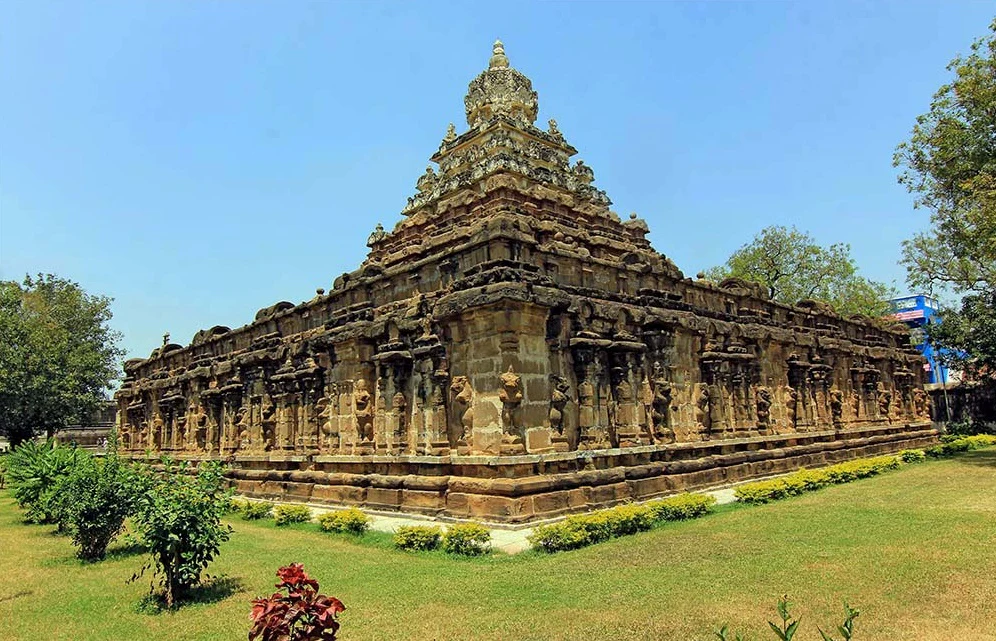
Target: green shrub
255,510
417,537
581,530
350,520
913,456
961,444
100,495
808,480
469,539
35,471
681,507
284,514
179,518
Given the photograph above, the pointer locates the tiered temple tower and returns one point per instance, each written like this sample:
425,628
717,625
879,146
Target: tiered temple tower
513,350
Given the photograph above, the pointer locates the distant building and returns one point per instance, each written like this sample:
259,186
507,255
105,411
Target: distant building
93,433
917,312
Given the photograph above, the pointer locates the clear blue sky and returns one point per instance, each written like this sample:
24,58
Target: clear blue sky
197,161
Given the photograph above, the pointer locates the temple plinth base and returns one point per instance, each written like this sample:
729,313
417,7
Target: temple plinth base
529,487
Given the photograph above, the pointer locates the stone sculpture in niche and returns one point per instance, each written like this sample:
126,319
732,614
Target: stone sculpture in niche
363,410
463,398
703,408
763,401
792,407
510,396
660,408
837,407
559,397
884,401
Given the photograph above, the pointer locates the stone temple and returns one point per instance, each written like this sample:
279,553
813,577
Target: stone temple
512,350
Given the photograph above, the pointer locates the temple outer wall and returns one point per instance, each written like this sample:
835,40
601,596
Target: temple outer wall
516,490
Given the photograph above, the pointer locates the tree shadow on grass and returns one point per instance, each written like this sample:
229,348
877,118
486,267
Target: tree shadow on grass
210,590
978,458
124,550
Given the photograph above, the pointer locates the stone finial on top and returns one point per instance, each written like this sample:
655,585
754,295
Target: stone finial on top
450,133
498,58
501,91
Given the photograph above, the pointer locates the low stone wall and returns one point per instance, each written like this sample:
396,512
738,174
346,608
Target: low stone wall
521,489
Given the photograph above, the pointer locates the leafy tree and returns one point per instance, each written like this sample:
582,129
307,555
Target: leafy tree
949,164
792,266
57,355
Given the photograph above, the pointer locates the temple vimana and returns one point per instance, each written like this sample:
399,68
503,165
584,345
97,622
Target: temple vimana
514,350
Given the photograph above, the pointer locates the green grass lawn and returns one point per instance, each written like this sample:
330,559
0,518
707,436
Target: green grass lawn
914,550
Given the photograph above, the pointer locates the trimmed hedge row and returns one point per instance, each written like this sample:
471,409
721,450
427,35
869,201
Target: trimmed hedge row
582,530
809,480
961,444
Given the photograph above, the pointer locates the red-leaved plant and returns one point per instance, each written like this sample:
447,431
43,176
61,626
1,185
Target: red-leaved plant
300,615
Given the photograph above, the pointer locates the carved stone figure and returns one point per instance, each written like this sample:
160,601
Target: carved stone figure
792,407
242,429
268,425
363,410
463,398
510,396
884,401
586,399
558,401
921,404
399,407
663,393
763,402
703,408
837,407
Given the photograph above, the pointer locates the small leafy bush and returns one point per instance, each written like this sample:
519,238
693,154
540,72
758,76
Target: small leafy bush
808,480
255,510
284,514
913,456
302,614
418,537
35,471
350,520
178,516
469,539
100,495
582,530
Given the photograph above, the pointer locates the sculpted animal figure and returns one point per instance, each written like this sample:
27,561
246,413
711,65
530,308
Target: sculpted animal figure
558,401
510,396
463,397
